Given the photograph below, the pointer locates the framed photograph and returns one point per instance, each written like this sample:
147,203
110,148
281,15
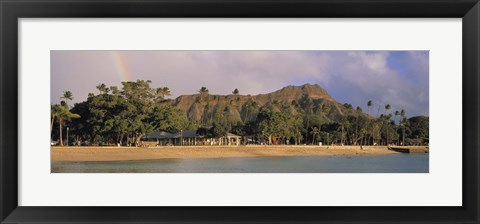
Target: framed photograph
278,123
247,112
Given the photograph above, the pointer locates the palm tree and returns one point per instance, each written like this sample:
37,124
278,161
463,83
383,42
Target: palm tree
404,121
395,123
387,108
166,92
297,120
323,119
387,119
235,91
376,135
308,113
396,114
62,113
55,110
160,93
343,124
203,90
350,111
67,95
314,133
359,112
369,104
103,88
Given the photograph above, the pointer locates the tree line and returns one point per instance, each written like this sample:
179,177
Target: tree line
121,116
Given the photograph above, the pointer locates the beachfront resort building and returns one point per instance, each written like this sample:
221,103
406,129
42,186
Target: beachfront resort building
188,138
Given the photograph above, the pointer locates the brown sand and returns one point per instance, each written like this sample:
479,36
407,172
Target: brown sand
133,153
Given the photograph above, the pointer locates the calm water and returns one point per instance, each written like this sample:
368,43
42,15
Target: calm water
397,163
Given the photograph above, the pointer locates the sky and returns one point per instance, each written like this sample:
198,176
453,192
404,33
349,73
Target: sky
398,78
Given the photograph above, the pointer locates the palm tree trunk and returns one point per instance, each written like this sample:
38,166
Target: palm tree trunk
342,135
296,139
356,132
61,137
387,134
314,138
367,138
51,126
320,133
306,133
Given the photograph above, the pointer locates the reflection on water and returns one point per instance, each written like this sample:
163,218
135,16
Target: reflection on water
397,163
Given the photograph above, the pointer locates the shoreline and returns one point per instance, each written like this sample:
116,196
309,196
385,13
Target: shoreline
85,154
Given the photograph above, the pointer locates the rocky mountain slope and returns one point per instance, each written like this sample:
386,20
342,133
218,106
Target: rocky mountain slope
291,99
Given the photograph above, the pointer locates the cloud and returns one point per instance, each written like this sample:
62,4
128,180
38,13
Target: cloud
357,77
397,78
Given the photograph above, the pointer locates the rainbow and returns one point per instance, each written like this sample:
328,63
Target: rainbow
121,66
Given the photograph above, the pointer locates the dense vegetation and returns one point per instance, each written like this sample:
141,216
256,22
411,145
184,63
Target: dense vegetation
121,116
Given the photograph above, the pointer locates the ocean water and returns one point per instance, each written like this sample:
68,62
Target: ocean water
396,163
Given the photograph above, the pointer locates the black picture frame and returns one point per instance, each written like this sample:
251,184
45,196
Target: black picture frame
12,10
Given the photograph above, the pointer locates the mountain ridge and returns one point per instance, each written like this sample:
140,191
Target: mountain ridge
242,108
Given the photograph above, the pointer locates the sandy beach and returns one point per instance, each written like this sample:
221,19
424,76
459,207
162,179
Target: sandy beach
133,153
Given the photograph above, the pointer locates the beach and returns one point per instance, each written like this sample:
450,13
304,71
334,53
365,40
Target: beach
94,153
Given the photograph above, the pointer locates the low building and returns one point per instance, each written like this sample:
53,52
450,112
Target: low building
159,137
233,139
188,138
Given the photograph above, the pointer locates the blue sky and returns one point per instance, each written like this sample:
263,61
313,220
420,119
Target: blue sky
399,78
